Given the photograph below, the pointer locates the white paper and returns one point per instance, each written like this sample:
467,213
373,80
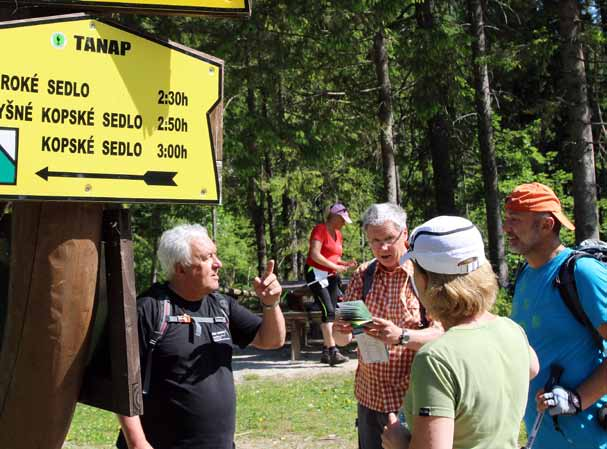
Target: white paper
321,277
371,349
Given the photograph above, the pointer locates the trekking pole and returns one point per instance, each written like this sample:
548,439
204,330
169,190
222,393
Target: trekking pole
555,376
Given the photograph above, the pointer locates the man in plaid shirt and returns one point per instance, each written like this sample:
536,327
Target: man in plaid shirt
397,322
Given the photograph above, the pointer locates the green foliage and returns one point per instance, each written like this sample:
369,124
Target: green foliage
503,303
234,251
301,127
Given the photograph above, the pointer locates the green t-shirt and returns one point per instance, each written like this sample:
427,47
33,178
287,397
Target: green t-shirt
479,376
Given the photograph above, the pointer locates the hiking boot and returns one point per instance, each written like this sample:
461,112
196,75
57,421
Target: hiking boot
337,358
324,356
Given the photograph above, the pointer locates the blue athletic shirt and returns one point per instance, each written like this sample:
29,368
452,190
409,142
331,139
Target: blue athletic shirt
558,337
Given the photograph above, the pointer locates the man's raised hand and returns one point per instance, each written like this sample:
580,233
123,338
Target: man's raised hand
267,287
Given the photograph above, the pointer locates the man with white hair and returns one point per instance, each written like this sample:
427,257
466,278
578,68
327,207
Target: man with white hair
186,332
386,287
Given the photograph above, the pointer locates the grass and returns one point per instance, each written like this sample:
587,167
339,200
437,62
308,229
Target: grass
322,407
277,410
92,427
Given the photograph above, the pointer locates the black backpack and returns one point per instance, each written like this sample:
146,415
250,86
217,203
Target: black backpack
368,283
164,319
565,282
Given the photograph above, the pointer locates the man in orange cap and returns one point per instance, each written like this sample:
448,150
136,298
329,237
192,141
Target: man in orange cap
533,220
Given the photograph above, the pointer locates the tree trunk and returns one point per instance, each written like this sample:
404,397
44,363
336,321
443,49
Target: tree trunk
386,120
157,231
439,132
578,128
486,146
255,201
425,188
441,165
270,209
288,208
602,5
255,194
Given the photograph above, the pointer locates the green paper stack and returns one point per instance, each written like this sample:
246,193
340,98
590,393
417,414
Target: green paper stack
354,312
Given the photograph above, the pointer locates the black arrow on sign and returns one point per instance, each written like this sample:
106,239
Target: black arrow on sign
151,178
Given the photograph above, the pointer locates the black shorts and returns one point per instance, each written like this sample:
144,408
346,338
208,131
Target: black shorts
325,296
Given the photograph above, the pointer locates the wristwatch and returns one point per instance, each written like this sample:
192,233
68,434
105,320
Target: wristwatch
269,306
404,338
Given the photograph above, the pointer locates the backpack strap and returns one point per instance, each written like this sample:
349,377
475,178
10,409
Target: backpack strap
163,323
368,278
225,307
161,328
565,283
424,322
368,283
519,269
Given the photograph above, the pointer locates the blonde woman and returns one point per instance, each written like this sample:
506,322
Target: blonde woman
468,387
322,269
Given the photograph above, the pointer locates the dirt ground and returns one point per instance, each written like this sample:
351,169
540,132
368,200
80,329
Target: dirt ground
292,442
251,363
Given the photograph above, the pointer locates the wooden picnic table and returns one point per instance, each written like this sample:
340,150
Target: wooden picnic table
297,321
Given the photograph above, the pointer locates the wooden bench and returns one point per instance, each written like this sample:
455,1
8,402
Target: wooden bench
297,324
297,321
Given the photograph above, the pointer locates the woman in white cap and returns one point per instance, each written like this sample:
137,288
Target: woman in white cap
468,387
322,269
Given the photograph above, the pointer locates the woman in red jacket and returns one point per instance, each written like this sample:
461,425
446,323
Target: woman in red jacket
322,269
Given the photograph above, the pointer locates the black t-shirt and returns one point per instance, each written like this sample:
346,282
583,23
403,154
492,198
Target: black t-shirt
191,401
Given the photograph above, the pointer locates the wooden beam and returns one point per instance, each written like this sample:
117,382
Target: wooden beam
113,381
54,257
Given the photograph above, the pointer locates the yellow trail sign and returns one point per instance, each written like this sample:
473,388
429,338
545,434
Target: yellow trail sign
90,111
226,8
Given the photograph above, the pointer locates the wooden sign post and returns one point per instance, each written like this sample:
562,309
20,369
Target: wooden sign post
54,259
89,130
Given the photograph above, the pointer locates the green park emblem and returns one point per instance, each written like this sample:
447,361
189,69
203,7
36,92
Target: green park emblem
8,155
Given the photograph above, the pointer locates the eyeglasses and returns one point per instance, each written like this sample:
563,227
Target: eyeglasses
388,242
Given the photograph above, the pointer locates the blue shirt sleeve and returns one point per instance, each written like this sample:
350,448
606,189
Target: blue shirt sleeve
591,281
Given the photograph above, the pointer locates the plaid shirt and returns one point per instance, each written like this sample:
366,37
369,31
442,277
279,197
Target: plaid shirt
382,386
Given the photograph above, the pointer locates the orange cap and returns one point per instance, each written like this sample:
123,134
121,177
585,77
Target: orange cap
536,197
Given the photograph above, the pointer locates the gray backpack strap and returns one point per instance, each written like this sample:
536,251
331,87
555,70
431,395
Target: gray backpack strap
225,308
163,324
368,278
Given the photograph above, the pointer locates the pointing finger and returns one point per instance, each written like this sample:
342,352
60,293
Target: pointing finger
269,268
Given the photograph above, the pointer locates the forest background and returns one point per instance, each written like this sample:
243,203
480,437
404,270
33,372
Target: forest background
440,106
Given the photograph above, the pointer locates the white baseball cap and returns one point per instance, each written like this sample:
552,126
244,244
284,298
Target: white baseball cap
447,245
